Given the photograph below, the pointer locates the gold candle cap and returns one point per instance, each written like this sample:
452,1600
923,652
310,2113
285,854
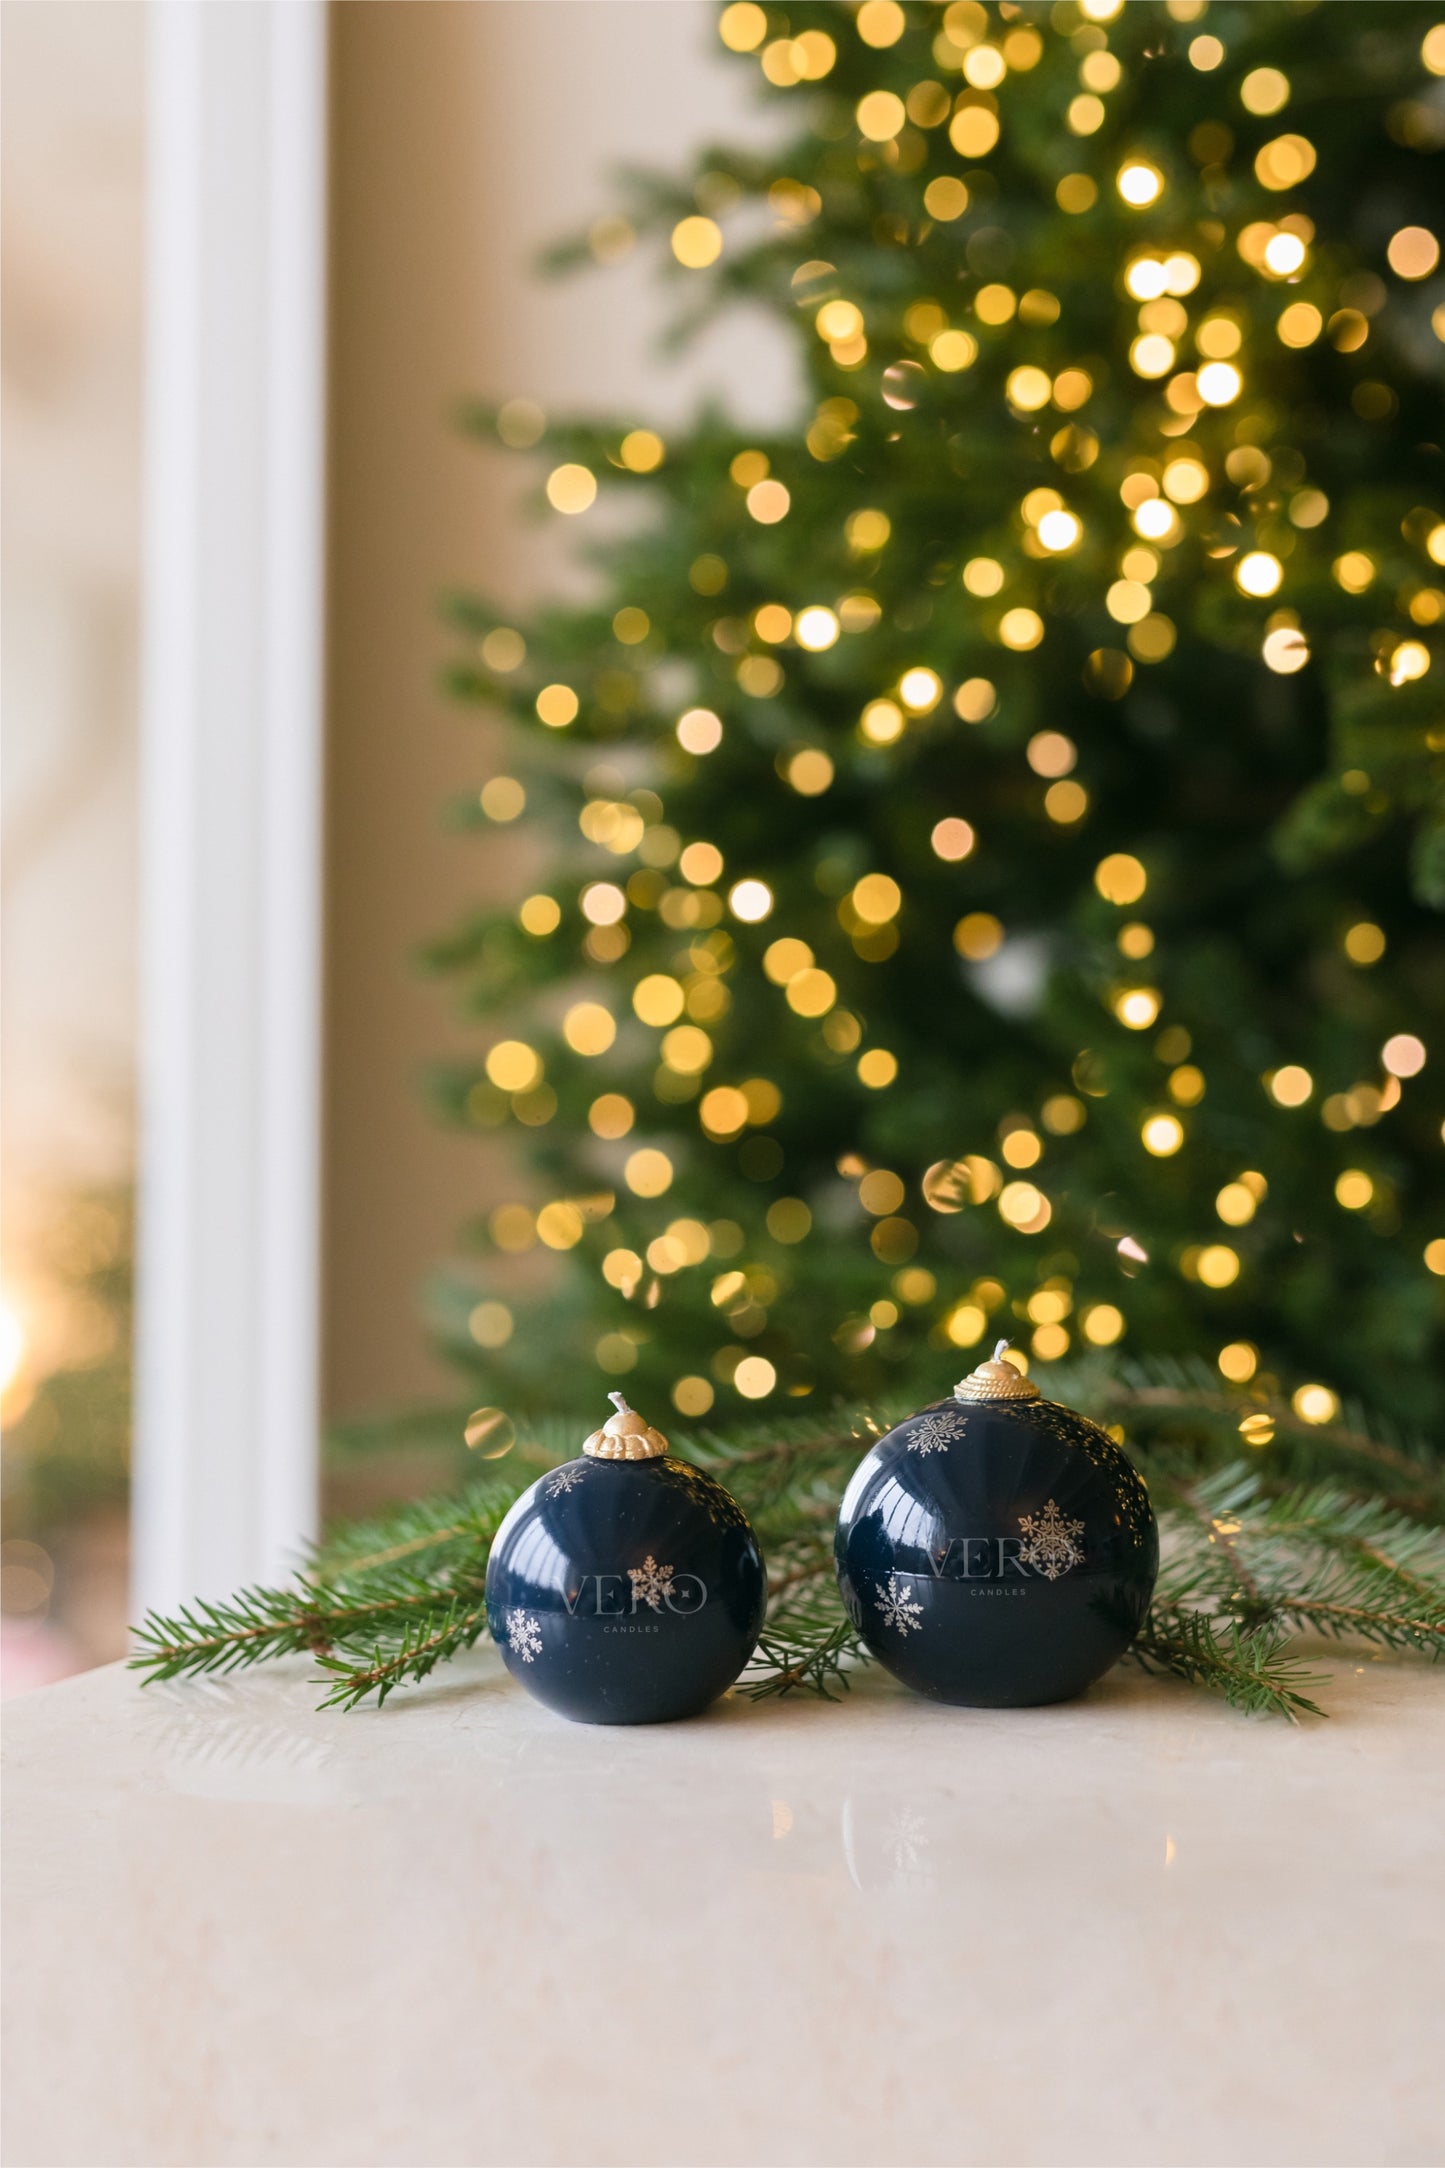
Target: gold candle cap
996,1380
627,1435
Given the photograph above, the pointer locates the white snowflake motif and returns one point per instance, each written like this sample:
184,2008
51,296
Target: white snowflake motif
524,1635
566,1479
650,1583
907,1839
1051,1542
935,1433
897,1607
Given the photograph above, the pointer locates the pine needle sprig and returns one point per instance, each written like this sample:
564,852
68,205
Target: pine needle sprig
435,1530
424,1642
367,1590
808,1644
1254,1671
259,1624
1251,1559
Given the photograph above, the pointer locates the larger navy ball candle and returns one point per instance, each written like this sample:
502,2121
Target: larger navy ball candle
996,1549
625,1587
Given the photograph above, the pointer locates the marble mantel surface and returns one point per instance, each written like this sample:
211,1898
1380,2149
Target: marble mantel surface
1136,1929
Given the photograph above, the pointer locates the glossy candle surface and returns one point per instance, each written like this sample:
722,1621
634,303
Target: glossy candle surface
996,1553
625,1592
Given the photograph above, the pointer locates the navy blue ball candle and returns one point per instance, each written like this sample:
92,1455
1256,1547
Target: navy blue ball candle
626,1587
996,1550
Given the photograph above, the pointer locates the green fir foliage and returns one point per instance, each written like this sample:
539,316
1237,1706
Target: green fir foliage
1254,1557
1120,526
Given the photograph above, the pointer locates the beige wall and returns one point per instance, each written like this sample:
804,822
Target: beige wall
466,134
73,185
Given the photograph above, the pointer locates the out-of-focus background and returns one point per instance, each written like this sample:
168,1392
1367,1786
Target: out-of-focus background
460,139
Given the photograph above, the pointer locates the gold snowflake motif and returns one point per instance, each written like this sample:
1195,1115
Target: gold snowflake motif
1051,1542
897,1608
935,1432
650,1583
567,1479
524,1635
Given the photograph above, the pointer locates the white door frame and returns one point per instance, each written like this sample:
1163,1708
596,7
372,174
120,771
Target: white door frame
225,1462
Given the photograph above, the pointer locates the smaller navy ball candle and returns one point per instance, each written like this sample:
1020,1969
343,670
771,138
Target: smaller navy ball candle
626,1587
996,1549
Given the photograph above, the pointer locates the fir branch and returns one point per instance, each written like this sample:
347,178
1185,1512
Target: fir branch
1254,1671
362,1593
425,1643
259,1624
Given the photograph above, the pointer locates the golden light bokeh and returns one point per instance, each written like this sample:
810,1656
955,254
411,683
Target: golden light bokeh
699,731
503,798
750,900
557,706
1290,1086
697,242
978,936
809,771
588,1028
648,1172
571,488
877,1068
539,915
1413,252
952,839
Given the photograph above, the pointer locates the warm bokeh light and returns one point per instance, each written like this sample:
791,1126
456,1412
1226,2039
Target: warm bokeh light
1413,252
881,22
1120,878
809,772
1139,183
699,731
977,936
1264,90
1258,573
768,502
920,690
880,116
952,840
1136,1007
750,901
1364,942
816,628
1218,1265
697,242
1315,1404
877,1068
1290,1086
571,488
503,799
588,1028
1403,1055
648,1172
1219,383
539,915
557,705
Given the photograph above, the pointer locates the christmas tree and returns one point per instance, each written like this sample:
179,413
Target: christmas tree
994,875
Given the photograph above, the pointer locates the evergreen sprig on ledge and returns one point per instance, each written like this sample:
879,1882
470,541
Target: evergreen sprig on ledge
1332,1530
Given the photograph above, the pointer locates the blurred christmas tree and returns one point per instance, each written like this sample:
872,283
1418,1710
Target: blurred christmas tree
996,864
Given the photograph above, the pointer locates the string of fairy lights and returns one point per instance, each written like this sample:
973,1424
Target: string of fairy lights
1271,556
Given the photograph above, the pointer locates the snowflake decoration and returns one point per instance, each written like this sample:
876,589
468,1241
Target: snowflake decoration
565,1480
524,1635
897,1607
650,1583
1051,1541
935,1432
907,1839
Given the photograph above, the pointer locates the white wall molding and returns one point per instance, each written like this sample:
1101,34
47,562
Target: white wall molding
225,1464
